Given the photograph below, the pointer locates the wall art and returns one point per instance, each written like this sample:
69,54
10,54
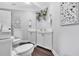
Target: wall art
69,13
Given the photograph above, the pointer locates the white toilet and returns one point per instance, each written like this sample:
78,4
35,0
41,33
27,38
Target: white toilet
23,50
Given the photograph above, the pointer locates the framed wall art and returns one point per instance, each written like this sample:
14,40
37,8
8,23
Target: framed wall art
69,13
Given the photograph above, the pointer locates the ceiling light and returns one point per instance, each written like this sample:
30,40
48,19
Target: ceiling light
27,2
13,3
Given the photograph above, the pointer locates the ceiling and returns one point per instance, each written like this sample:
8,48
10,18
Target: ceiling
35,6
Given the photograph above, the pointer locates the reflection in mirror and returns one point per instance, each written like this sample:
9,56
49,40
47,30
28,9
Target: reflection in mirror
5,23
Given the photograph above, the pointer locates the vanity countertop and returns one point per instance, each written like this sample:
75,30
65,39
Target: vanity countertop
41,30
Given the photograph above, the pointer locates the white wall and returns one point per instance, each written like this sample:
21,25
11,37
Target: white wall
65,38
17,31
22,32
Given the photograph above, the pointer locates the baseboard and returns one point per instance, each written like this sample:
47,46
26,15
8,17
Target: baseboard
54,52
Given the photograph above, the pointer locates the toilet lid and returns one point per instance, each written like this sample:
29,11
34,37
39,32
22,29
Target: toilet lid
23,48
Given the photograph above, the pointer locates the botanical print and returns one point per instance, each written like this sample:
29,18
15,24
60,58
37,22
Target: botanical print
69,13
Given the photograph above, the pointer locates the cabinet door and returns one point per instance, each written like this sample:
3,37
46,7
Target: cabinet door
39,39
5,47
32,37
45,40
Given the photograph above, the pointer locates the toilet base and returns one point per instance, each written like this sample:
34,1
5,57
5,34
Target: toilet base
24,53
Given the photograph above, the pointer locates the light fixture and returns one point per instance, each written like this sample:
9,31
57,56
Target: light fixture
13,4
27,2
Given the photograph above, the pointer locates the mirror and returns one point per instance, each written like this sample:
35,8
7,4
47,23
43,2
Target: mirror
5,23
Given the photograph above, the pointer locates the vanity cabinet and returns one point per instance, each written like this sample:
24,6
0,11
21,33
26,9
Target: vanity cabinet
5,47
45,40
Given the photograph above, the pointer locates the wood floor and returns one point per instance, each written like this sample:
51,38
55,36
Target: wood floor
40,51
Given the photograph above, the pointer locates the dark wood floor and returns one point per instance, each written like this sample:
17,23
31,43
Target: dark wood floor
40,51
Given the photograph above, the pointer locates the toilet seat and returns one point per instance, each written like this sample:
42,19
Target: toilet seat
23,48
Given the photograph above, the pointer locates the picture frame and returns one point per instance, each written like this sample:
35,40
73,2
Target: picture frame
69,13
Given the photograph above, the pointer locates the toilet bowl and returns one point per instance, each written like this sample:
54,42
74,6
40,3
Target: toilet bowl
24,50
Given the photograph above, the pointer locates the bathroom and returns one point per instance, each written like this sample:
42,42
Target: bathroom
38,29
20,28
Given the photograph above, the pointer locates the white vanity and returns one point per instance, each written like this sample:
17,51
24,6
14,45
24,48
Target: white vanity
5,44
45,39
41,38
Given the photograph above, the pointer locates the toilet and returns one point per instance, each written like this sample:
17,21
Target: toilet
23,50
